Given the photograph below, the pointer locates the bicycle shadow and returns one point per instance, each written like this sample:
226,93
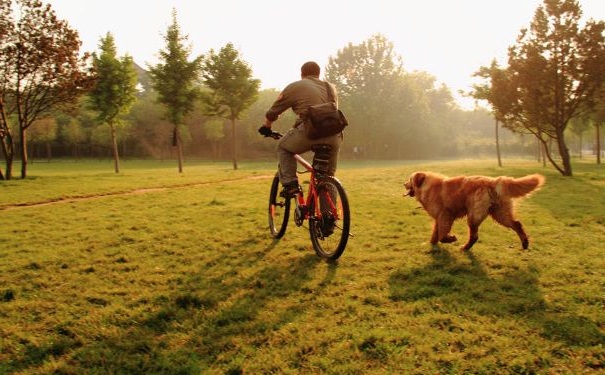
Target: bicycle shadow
458,285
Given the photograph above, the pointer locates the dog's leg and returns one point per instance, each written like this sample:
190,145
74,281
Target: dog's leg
517,227
474,220
473,236
445,223
504,216
477,212
435,234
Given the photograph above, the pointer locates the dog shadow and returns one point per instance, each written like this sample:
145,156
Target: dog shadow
463,283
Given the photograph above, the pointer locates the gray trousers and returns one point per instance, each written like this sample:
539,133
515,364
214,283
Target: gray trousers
295,141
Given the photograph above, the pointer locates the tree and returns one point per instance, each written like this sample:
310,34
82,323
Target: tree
6,139
392,113
232,88
150,127
115,89
367,77
498,93
578,126
554,72
213,129
44,133
598,118
175,81
40,67
74,135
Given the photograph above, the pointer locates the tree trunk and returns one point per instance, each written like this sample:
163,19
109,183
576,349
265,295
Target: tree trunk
547,154
8,148
23,142
9,154
598,126
234,143
176,141
498,145
114,147
564,152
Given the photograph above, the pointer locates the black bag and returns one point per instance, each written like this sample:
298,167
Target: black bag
325,119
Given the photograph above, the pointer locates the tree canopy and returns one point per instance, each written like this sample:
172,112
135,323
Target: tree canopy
232,88
40,66
554,72
115,88
391,112
175,80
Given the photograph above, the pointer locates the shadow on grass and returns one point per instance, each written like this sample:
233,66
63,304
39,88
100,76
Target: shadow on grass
468,287
238,300
584,195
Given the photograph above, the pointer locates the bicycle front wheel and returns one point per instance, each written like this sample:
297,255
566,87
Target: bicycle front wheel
279,210
330,224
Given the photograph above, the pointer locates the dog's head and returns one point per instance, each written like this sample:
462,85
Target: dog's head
414,183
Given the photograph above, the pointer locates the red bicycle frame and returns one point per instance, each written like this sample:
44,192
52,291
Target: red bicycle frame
303,203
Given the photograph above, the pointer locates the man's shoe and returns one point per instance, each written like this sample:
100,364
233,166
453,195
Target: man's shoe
328,225
290,190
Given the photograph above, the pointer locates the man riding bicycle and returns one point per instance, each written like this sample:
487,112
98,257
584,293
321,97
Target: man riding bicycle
299,95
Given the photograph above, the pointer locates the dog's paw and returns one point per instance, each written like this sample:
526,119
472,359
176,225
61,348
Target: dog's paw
449,239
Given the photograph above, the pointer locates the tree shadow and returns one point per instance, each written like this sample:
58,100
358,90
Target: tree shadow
585,193
467,286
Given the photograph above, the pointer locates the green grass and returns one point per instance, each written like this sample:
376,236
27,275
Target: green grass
154,272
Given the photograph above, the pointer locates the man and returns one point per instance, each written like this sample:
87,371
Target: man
299,95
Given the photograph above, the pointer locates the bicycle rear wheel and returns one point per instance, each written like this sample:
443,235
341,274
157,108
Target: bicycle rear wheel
279,210
330,223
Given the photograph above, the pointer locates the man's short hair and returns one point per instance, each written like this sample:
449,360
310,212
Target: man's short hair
310,68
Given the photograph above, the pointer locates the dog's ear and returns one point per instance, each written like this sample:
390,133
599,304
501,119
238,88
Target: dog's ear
418,178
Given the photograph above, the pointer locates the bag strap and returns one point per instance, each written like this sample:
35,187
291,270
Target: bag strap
330,95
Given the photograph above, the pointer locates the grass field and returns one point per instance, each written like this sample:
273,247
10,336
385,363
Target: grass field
152,272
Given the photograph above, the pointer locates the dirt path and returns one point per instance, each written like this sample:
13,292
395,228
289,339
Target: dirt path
124,193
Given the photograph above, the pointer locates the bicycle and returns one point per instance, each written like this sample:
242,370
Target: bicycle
325,207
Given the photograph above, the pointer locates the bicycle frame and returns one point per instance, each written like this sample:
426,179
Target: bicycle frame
312,196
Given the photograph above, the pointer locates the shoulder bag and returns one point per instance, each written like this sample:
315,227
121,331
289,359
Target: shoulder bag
324,120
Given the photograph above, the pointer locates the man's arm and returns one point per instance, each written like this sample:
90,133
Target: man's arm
282,103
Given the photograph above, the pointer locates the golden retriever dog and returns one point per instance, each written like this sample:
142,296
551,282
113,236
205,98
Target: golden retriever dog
446,199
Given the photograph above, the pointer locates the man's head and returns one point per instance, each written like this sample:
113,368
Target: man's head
310,68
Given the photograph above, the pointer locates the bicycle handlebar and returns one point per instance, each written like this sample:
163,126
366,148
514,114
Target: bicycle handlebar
268,133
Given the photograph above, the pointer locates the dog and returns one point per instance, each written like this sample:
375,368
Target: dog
447,199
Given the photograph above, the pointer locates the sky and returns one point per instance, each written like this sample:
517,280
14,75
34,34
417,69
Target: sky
449,39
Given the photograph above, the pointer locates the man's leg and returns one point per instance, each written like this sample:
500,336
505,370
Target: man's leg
293,142
335,141
329,221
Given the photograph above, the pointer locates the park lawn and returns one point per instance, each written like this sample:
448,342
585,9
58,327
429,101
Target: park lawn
150,271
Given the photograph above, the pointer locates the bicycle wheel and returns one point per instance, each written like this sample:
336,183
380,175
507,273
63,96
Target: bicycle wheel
330,223
279,210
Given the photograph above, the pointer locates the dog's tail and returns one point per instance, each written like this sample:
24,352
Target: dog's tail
519,187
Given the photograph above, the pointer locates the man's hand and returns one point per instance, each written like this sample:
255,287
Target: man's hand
267,132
